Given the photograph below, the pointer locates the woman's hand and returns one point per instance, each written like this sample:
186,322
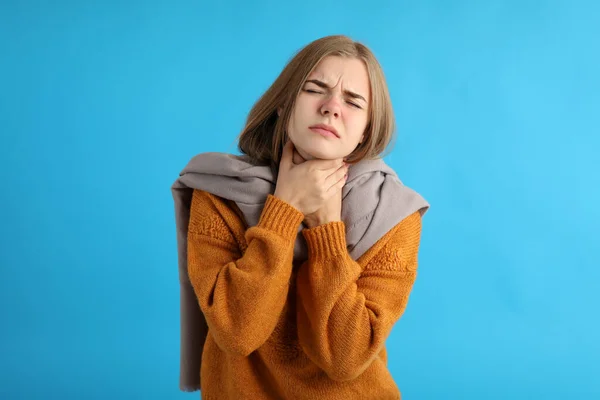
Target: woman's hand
311,185
330,211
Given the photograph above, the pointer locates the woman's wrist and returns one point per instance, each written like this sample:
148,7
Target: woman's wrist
286,199
313,222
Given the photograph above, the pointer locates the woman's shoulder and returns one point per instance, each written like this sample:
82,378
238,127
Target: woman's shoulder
402,240
215,213
406,234
202,198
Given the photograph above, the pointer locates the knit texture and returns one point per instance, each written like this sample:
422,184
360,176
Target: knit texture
279,330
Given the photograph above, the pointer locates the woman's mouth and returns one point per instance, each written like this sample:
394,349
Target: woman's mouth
323,132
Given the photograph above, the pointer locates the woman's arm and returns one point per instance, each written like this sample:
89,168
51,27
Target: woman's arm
241,296
345,314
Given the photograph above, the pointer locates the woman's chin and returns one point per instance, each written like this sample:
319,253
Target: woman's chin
318,154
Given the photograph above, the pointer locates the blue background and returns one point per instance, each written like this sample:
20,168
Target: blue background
498,109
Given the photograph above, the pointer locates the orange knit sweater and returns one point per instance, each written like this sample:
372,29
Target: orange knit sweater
277,330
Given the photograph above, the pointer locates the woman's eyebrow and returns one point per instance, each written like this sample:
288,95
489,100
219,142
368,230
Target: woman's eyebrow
347,92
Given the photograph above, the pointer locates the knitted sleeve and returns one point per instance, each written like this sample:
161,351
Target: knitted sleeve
346,312
241,295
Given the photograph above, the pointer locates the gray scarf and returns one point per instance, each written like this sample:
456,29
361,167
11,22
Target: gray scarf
374,200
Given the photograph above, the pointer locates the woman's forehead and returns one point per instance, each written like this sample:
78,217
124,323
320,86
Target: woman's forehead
351,72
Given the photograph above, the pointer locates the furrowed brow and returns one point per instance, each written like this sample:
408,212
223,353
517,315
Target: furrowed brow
349,93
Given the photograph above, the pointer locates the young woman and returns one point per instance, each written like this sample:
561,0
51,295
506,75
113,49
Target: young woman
297,257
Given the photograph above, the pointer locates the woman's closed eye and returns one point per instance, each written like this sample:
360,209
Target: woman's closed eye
317,92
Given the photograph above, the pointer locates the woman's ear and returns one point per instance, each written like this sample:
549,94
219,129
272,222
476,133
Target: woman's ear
279,111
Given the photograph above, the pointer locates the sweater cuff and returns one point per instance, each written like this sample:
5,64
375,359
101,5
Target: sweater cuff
326,241
280,217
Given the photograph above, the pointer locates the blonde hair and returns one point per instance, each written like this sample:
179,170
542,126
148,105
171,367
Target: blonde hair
264,134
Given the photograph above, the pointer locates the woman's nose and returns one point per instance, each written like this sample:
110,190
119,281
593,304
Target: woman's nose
331,106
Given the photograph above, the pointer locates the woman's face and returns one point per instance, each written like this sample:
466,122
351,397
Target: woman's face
335,95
